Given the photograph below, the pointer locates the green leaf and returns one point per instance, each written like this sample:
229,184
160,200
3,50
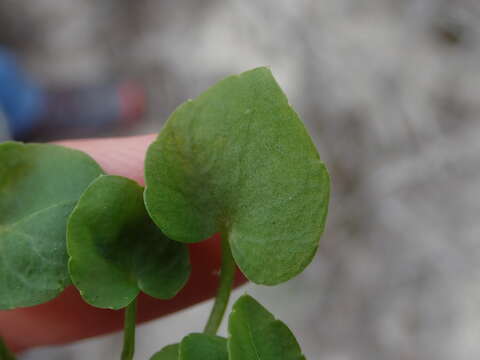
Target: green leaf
203,347
116,250
255,334
238,160
195,347
39,186
169,352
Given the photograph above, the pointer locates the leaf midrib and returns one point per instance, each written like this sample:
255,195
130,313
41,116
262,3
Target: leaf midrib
250,337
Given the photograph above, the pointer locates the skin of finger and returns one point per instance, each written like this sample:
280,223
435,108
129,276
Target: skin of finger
117,156
67,318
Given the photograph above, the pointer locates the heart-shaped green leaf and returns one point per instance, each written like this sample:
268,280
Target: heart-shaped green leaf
169,352
255,334
239,161
116,250
39,186
203,347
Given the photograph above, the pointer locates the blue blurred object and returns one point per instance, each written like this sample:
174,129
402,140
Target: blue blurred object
28,111
21,101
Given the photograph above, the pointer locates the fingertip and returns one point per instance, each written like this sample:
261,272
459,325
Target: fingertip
122,156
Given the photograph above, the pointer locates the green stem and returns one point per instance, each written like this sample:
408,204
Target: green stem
129,331
5,353
227,275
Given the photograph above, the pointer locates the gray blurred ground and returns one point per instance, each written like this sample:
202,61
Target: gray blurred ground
391,91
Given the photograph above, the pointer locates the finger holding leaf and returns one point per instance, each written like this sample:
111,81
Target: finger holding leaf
236,161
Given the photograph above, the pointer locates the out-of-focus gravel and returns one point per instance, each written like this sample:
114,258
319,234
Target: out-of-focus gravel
391,91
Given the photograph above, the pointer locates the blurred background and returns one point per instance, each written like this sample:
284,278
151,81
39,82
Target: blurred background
390,91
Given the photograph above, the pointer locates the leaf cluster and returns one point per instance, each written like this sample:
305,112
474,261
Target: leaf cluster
236,161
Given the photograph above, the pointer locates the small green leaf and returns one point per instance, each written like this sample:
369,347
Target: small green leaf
39,186
169,352
255,334
116,250
203,347
238,160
